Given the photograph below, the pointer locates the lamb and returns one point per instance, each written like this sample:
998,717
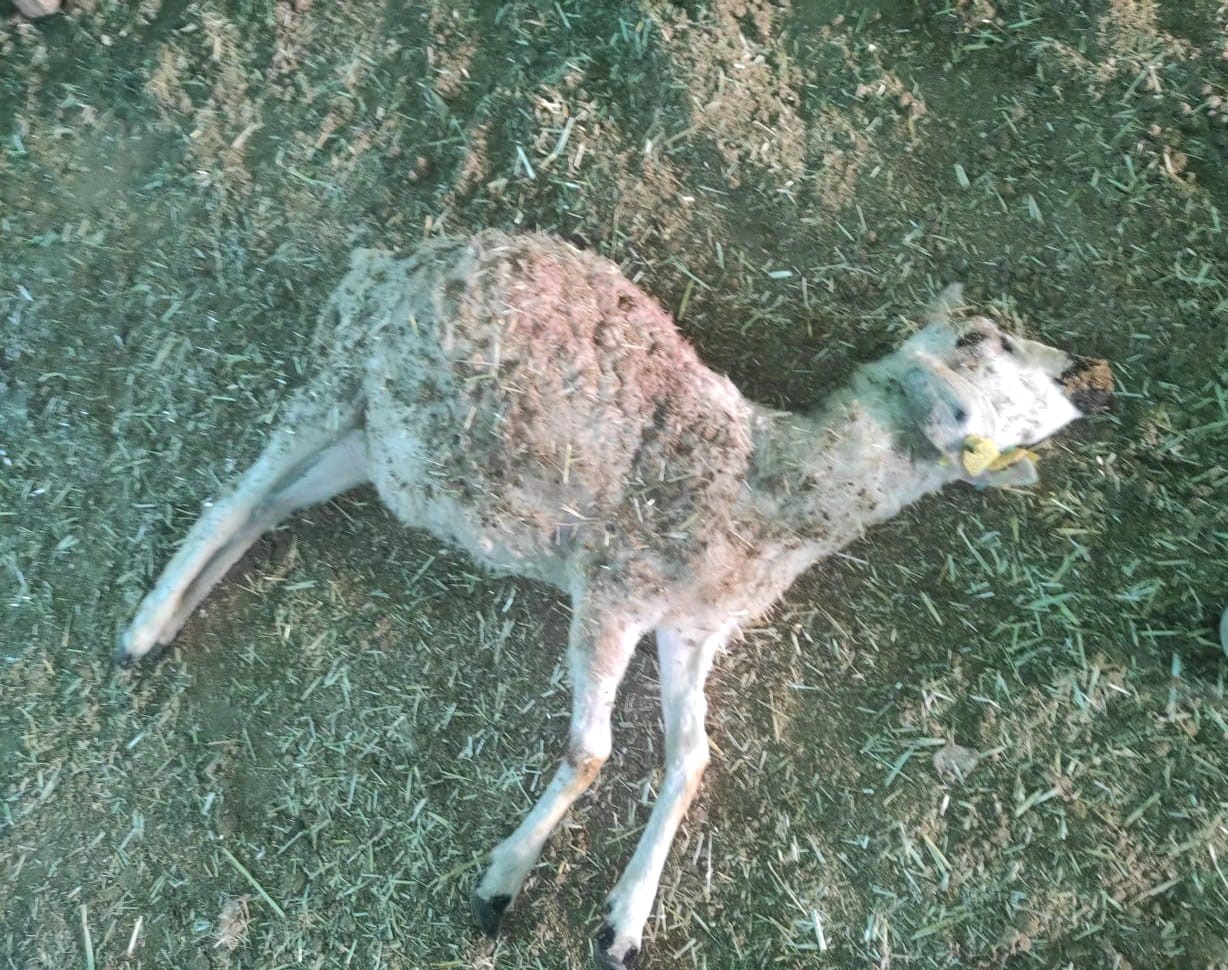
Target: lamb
522,399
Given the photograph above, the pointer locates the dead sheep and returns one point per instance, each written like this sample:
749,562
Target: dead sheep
523,400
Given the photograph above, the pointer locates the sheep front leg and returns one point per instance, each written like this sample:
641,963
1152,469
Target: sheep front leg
598,653
685,658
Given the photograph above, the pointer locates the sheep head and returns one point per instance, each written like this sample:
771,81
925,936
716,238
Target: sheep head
970,385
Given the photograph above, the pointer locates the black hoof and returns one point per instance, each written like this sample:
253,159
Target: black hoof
488,913
605,960
123,659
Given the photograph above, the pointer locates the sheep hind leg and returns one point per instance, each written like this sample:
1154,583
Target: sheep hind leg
294,472
337,469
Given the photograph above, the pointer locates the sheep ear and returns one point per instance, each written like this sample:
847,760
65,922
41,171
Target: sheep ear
933,403
944,306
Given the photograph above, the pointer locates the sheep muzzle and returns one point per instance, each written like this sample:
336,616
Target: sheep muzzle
1088,382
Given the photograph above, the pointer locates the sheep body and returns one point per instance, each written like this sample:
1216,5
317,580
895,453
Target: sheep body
524,400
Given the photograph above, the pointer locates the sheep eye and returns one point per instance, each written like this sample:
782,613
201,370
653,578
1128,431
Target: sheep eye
970,339
960,415
1008,345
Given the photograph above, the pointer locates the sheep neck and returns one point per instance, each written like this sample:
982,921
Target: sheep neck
855,462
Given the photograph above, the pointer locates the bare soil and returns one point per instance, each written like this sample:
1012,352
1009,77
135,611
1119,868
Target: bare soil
311,778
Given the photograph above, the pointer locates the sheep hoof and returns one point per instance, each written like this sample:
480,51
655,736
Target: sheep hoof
488,913
606,955
123,659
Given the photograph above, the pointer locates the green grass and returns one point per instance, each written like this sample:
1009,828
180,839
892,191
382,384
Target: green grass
315,772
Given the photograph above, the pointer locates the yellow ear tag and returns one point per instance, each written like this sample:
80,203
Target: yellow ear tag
1010,457
978,454
981,455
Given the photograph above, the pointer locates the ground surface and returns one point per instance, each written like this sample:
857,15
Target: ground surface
358,715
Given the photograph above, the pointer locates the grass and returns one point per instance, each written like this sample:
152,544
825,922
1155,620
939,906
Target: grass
313,776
